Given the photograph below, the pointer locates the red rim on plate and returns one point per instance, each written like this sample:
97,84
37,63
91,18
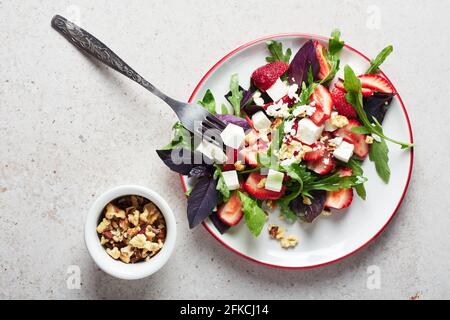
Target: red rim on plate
305,35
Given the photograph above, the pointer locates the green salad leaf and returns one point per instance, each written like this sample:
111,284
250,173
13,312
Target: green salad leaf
236,95
208,102
182,138
221,185
355,165
335,45
276,51
255,217
379,59
379,149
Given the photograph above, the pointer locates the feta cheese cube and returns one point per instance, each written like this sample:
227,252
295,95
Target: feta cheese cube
260,121
308,132
231,179
212,151
278,90
344,151
274,181
328,125
233,136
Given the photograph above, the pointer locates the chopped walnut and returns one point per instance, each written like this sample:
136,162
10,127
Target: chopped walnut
271,204
132,229
369,139
239,166
339,121
307,201
289,241
276,232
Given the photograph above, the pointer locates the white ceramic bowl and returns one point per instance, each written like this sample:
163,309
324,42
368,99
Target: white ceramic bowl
117,268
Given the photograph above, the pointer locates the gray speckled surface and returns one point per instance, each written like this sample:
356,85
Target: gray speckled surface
70,129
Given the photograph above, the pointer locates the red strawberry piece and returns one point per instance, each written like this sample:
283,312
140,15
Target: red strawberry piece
318,152
340,103
232,157
323,103
339,199
264,77
251,186
321,54
376,83
322,166
250,153
345,172
230,212
358,140
366,92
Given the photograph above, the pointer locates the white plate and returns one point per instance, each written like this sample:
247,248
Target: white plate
327,239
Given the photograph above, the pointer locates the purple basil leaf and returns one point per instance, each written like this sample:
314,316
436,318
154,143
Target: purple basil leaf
201,201
300,64
309,212
252,109
376,105
201,171
179,160
220,226
229,118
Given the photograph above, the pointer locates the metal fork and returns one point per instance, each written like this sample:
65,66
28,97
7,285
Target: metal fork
193,117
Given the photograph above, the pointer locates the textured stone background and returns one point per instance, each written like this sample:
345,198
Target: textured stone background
70,129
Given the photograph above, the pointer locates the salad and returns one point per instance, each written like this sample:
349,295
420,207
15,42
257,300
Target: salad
295,139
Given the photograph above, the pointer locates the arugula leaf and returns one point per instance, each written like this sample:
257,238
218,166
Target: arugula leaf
221,186
236,95
355,165
379,155
354,96
335,45
379,59
276,50
208,102
255,217
270,158
286,211
224,109
181,138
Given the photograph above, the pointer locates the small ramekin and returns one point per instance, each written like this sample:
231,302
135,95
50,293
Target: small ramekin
117,268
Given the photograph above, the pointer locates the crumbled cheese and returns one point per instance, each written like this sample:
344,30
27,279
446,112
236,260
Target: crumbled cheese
278,110
335,141
292,91
304,110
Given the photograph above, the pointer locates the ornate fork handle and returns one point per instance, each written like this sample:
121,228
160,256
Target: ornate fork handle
86,42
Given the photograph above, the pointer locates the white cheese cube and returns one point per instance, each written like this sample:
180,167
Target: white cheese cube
274,181
278,90
260,121
328,125
344,151
232,136
212,151
231,179
308,132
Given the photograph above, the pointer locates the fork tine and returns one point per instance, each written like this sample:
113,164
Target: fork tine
219,123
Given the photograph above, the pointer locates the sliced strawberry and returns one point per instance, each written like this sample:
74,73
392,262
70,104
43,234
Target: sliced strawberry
250,153
251,186
323,103
318,152
321,54
358,140
264,77
366,92
376,83
232,157
339,199
345,172
340,103
230,212
322,166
